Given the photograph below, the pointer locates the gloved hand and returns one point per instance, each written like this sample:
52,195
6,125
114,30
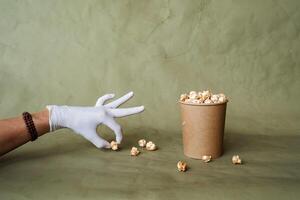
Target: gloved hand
84,120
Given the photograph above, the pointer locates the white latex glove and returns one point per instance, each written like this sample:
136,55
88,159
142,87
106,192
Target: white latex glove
84,120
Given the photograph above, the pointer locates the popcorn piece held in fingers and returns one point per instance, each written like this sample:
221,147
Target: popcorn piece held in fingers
150,146
114,145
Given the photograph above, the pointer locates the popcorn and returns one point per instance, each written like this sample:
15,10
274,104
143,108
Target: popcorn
114,145
208,101
222,95
150,146
215,98
200,101
181,166
193,95
134,151
204,97
206,158
200,95
189,101
183,97
222,99
142,142
206,94
236,160
196,101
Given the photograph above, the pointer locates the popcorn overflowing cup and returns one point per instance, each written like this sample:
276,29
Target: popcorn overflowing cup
203,121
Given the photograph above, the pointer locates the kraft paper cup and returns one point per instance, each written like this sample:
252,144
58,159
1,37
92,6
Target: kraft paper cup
203,129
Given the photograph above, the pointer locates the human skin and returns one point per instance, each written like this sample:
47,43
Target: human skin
14,133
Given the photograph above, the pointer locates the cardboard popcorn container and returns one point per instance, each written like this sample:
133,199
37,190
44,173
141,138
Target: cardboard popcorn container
203,129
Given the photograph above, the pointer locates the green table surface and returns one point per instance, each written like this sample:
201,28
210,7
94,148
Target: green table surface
62,165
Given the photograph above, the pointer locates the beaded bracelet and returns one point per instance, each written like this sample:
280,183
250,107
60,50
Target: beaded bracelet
30,125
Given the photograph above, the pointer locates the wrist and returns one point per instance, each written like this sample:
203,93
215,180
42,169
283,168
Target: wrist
56,117
41,121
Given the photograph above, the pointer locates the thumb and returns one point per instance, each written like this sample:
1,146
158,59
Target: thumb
113,125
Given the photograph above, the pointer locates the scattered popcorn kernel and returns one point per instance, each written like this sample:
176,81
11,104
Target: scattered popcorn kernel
134,151
181,166
236,160
206,158
114,145
150,146
142,142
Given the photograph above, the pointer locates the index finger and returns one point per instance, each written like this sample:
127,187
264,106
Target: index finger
120,100
122,112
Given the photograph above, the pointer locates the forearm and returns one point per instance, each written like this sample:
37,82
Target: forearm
14,133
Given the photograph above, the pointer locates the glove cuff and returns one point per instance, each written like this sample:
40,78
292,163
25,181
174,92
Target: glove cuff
54,117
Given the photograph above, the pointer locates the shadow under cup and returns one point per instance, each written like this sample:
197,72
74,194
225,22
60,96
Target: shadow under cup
203,129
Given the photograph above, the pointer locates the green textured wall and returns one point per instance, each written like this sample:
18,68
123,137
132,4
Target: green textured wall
70,52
